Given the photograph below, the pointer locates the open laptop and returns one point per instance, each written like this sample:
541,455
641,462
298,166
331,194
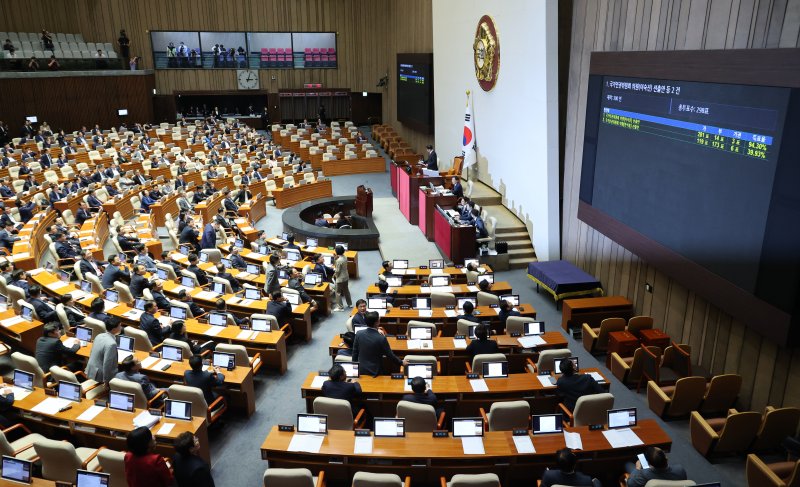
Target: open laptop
223,360
177,313
63,276
621,418
69,390
419,370
285,236
139,303
327,259
400,264
260,324
436,264
460,302
358,328
263,249
124,346
218,288
203,257
495,370
175,354
316,424
23,380
83,334
26,312
557,364
394,281
472,261
511,298
533,328
292,298
187,281
226,262
440,281
252,293
217,319
121,401
238,243
16,470
421,303
542,424
312,242
174,409
86,286
350,369
253,269
161,273
312,279
466,427
376,303
390,427
293,255
420,333
183,249
112,295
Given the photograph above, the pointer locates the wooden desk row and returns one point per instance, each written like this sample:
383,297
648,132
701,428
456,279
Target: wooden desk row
284,198
305,251
410,291
420,275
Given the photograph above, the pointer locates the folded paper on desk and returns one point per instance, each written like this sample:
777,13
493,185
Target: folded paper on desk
620,438
545,380
56,285
573,440
149,361
596,376
165,428
145,419
91,413
450,313
425,313
472,445
306,443
213,331
363,445
318,381
51,405
473,289
478,385
8,322
460,343
531,341
524,444
19,393
419,344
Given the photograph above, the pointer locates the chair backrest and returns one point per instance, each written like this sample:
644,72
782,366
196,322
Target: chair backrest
478,360
15,295
687,397
124,291
440,300
339,411
759,473
192,395
547,358
635,367
5,446
169,269
738,433
721,393
776,425
187,350
487,299
419,418
141,340
680,359
241,359
607,326
367,479
423,359
424,324
651,363
61,313
516,324
462,326
113,463
57,373
59,459
29,364
121,385
288,477
592,409
638,323
97,284
509,415
97,326
214,255
475,480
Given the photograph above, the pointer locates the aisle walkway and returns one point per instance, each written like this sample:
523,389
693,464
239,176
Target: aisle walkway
400,239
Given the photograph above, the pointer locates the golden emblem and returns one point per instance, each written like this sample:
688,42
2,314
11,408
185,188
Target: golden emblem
486,51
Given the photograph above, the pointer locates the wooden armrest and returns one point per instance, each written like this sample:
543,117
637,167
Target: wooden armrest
440,422
732,411
216,402
321,479
287,329
407,482
702,435
439,334
485,418
15,427
656,398
158,395
358,421
619,368
566,412
531,366
442,482
91,457
438,368
468,367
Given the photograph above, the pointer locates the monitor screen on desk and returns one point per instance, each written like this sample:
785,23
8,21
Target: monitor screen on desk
125,343
139,304
23,379
534,328
178,409
183,249
224,360
511,298
292,298
177,313
557,364
328,260
252,293
217,319
440,281
390,427
260,324
285,236
542,424
83,333
218,288
238,243
85,478
471,331
312,279
436,263
400,264
226,263
422,303
293,255
121,401
168,352
472,261
420,333
112,296
203,257
419,370
495,370
187,281
464,427
358,328
621,418
350,369
69,390
254,269
394,281
17,470
161,273
86,286
312,242
376,303
263,249
312,423
460,302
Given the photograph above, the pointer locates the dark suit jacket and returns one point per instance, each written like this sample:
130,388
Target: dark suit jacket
204,381
85,267
369,348
281,311
138,285
49,352
358,319
188,235
478,347
458,191
209,240
432,161
191,471
66,251
155,331
557,477
234,282
238,262
26,211
427,397
480,228
574,386
81,216
111,274
43,310
342,390
162,302
202,278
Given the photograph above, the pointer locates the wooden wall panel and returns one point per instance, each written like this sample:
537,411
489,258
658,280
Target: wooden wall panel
771,374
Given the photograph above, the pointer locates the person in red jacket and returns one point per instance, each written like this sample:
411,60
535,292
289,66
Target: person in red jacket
143,468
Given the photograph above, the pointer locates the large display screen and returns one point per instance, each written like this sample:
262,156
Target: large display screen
415,91
693,175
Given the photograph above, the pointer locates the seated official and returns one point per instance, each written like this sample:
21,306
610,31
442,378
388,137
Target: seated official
114,271
280,309
97,310
480,226
185,298
290,243
19,278
505,310
44,310
659,469
422,395
339,387
566,473
223,273
370,346
200,274
320,221
144,467
296,283
148,323
157,290
178,333
7,237
481,344
65,249
468,308
321,268
237,262
131,370
222,307
202,379
50,350
74,315
571,385
360,318
457,189
128,241
83,213
139,282
189,468
383,287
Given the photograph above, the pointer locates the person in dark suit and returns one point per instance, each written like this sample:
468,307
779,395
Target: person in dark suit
237,262
659,469
188,468
360,318
571,385
44,311
74,315
25,209
321,268
114,272
162,303
88,264
209,239
7,237
229,204
6,191
128,242
223,273
422,395
566,473
64,249
50,350
19,279
467,313
185,298
457,190
156,332
82,214
280,308
132,371
220,218
505,310
138,281
296,283
383,287
481,344
179,182
339,387
202,277
432,161
370,346
94,203
480,226
97,310
203,380
189,235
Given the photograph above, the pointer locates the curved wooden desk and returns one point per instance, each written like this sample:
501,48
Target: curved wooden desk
285,198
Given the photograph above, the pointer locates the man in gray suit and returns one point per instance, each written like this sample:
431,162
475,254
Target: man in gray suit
114,272
102,365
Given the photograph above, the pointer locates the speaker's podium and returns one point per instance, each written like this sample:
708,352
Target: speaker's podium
454,240
363,201
406,181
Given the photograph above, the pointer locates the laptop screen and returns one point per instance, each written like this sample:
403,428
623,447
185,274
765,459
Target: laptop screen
69,390
263,249
376,303
312,279
218,288
26,312
420,370
177,409
177,313
542,424
358,328
285,236
23,379
328,260
217,319
112,296
184,249
495,370
168,352
17,470
282,274
121,401
511,298
440,281
400,264
420,333
161,273
292,255
293,298
471,331
486,277
311,242
350,369
226,263
238,243
63,276
139,304
86,478
621,418
390,427
471,261
260,324
436,264
86,286
422,303
463,427
252,293
224,360
125,343
460,302
203,257
187,281
312,423
394,281
83,333
534,328
557,364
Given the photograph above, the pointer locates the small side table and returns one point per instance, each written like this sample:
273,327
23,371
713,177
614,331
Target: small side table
655,338
622,342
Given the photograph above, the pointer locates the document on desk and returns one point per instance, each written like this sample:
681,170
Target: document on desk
524,444
206,295
442,289
472,445
149,361
50,405
460,343
145,419
12,321
109,305
596,376
473,289
255,255
437,271
133,314
19,393
546,380
179,288
419,344
363,445
573,440
165,429
306,443
425,313
411,272
318,381
244,335
399,272
213,331
478,385
56,285
90,413
531,341
450,313
620,438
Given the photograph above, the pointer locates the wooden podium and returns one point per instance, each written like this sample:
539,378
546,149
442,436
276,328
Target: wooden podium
363,201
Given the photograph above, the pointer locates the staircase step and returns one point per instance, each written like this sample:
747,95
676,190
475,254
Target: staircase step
521,263
520,244
513,236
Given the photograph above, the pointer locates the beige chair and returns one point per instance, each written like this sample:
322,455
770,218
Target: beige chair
186,350
90,389
422,324
21,448
781,474
547,359
462,326
425,359
168,269
440,300
292,477
124,291
339,412
638,323
365,479
29,364
595,340
15,295
721,394
96,326
516,324
478,360
629,369
241,358
181,304
140,401
668,483
60,459
487,299
97,284
775,426
113,463
200,408
491,229
225,282
141,341
473,480
589,409
507,415
676,401
419,417
214,255
733,434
